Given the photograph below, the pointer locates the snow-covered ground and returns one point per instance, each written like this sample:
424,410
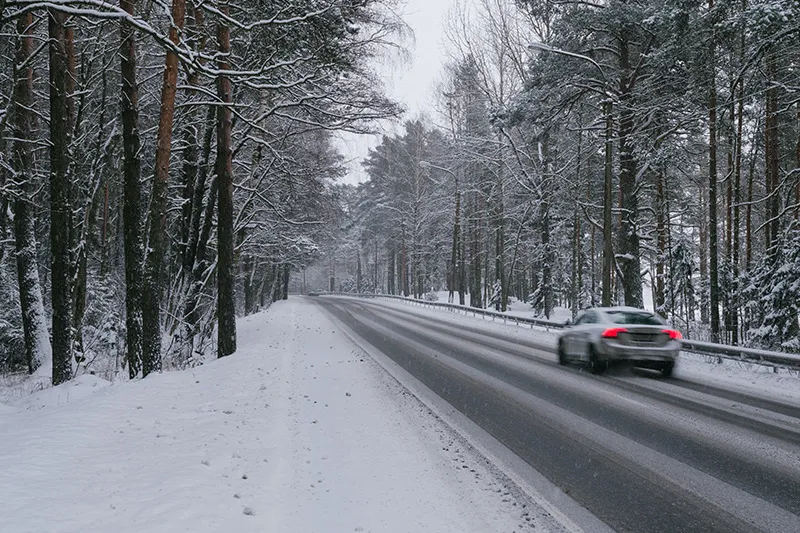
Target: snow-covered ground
298,431
750,378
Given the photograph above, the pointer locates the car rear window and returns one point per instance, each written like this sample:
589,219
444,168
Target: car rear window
631,317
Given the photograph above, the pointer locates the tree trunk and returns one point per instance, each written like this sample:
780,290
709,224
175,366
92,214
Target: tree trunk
608,240
285,284
661,241
390,277
37,339
226,299
737,195
703,230
748,222
404,266
193,180
546,286
712,194
628,260
475,296
248,275
454,268
60,205
199,192
157,236
358,272
134,252
772,153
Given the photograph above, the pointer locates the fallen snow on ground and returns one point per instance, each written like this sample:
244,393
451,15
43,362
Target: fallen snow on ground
298,431
779,384
70,392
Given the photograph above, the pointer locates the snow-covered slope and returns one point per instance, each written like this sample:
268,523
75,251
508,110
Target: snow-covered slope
297,432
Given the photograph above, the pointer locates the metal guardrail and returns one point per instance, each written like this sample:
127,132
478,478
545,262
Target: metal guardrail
748,355
737,353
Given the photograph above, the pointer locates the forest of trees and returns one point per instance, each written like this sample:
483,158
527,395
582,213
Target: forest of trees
164,166
585,152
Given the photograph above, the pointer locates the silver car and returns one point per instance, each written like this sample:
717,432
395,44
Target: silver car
607,335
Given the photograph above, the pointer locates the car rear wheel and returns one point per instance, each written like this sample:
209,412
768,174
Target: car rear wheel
595,365
666,370
562,355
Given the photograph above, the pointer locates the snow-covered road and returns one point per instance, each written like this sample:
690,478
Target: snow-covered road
299,431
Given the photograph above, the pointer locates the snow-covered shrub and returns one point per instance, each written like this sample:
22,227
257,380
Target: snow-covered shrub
776,287
431,296
348,285
12,340
103,327
497,294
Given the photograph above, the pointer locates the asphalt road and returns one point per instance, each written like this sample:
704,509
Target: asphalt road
641,454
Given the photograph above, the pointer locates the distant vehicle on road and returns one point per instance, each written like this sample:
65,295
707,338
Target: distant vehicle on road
604,336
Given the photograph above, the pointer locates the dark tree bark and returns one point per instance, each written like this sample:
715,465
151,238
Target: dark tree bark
191,310
454,267
390,277
226,303
476,285
772,153
194,172
608,245
285,284
547,268
60,205
157,236
404,266
661,240
628,260
712,194
199,190
499,248
132,212
249,275
24,124
748,222
358,271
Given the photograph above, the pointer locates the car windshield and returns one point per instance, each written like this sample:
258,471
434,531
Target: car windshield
632,317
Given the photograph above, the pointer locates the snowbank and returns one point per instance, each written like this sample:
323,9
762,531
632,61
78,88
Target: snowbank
66,393
297,432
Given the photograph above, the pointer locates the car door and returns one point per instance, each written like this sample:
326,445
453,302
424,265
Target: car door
583,334
572,337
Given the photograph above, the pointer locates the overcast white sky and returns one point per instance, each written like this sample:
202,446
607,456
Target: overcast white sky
413,85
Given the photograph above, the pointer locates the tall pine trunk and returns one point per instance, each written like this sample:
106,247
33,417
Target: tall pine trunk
629,260
226,303
772,153
712,192
37,339
157,236
60,205
132,212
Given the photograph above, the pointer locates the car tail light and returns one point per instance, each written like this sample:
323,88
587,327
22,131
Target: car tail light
673,334
612,333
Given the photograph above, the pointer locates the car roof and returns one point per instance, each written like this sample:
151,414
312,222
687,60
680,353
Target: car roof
618,309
